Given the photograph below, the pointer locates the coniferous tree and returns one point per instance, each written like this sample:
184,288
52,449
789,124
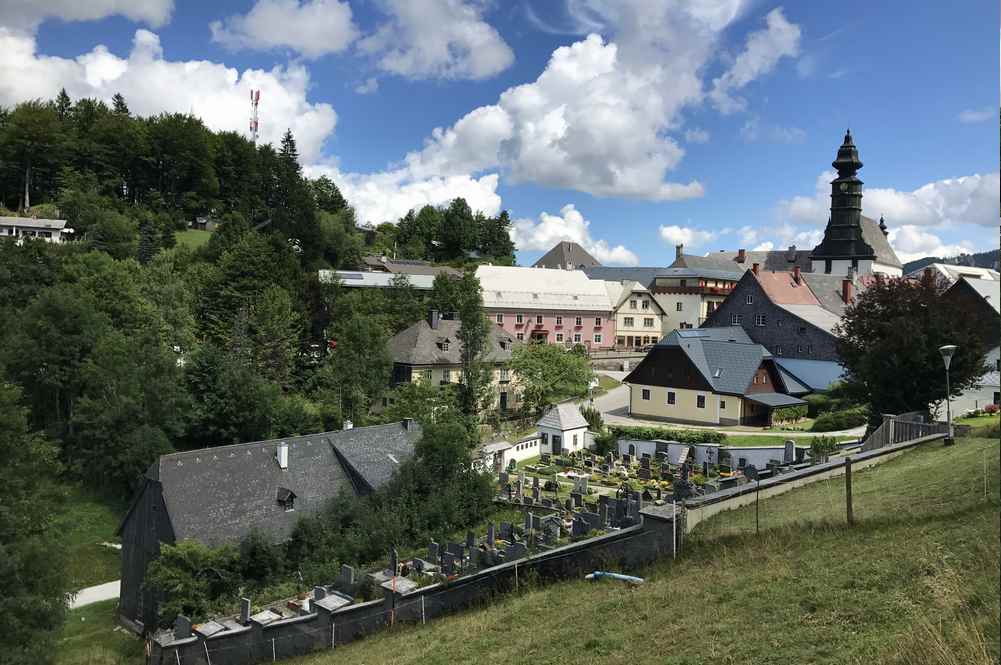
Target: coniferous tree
119,105
63,104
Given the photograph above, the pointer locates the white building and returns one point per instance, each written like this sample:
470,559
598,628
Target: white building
563,430
49,230
954,273
639,319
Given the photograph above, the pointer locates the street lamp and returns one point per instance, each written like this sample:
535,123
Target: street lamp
947,352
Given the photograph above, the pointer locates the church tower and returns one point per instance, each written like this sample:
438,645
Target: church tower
843,248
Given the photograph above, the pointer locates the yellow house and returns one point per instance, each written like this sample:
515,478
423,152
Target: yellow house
710,376
639,319
430,351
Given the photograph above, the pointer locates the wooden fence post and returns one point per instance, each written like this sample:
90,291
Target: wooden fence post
848,490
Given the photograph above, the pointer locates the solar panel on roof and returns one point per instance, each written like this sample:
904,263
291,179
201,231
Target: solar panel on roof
350,275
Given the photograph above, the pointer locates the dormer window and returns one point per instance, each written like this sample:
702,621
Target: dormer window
444,345
286,499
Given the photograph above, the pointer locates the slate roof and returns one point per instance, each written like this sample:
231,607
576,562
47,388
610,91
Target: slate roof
774,400
406,266
778,259
732,273
219,495
566,255
644,276
989,290
874,237
827,290
792,385
420,344
564,416
815,315
33,223
725,356
815,374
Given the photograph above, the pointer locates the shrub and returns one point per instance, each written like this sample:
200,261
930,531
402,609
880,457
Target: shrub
789,413
821,448
593,418
991,409
680,435
839,420
816,404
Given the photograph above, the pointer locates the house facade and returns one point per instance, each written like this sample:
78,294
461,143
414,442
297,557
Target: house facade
220,495
562,307
981,300
430,351
562,430
639,319
49,230
708,377
689,295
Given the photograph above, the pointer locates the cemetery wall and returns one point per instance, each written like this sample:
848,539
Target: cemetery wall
625,549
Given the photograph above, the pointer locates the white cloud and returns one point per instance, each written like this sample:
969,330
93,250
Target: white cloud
754,130
762,52
806,66
312,27
697,135
686,235
970,116
437,39
151,84
911,242
568,225
764,247
368,86
26,15
972,199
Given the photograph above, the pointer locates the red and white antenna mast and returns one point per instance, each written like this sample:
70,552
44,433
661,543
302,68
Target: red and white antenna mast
255,98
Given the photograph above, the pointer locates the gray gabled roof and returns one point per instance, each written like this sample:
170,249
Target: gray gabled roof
726,357
726,260
875,238
827,289
566,255
644,276
815,374
989,290
564,416
774,400
420,344
220,495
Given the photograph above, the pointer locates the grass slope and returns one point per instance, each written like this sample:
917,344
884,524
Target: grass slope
85,521
914,581
192,238
90,637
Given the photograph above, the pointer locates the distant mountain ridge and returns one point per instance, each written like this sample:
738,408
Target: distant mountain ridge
988,259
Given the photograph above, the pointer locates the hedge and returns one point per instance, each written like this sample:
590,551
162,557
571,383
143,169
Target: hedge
833,421
668,434
789,413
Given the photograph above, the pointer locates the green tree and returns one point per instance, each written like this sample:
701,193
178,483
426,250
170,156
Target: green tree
404,305
495,239
115,235
459,232
423,401
474,340
33,139
119,105
32,556
192,577
548,375
63,104
327,196
358,370
889,340
275,329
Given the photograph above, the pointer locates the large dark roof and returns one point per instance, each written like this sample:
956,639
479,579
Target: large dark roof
566,255
644,276
406,266
420,344
875,238
828,290
219,495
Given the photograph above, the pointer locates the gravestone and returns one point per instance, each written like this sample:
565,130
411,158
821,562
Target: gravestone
434,552
593,521
568,505
509,490
394,561
547,503
535,482
627,459
456,550
506,531
551,486
609,459
580,484
603,514
528,501
491,536
751,472
705,469
741,462
529,520
319,593
503,478
789,452
589,464
647,496
536,494
182,627
544,458
448,564
633,512
515,551
605,468
578,528
470,540
551,530
643,473
665,474
522,479
645,461
660,495
245,611
663,457
577,499
603,500
346,579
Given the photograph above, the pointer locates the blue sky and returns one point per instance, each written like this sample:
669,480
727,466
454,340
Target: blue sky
636,126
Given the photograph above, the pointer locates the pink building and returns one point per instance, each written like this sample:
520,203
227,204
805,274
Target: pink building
554,306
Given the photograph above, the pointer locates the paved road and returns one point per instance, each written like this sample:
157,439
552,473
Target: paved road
96,594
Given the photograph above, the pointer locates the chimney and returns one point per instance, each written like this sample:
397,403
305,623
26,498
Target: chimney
281,454
679,250
408,424
754,268
928,276
791,256
741,256
347,425
847,288
796,276
434,316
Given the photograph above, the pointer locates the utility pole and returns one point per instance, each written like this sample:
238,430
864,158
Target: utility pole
848,491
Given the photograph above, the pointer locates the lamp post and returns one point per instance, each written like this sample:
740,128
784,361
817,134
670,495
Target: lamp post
947,352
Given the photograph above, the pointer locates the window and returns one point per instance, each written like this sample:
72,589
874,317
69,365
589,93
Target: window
518,318
671,397
289,503
759,320
684,283
597,322
576,338
645,393
504,374
426,374
778,349
628,322
749,299
799,348
520,336
446,375
648,323
559,337
632,304
678,307
545,439
559,320
621,341
597,339
722,405
997,364
735,319
809,348
646,304
575,440
538,319
802,330
755,380
827,266
444,345
578,321
700,401
997,398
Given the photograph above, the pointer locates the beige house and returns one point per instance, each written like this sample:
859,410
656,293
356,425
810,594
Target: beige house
688,295
710,376
430,351
639,319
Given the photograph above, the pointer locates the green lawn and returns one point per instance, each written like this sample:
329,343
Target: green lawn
605,383
913,582
979,421
85,521
193,238
91,637
774,439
